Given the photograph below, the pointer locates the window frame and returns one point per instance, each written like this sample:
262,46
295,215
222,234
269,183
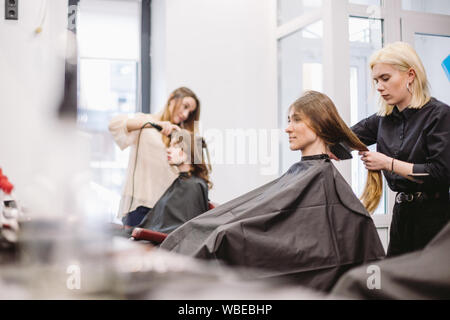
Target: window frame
144,63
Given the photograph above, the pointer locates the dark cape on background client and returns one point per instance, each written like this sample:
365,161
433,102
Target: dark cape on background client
306,225
186,198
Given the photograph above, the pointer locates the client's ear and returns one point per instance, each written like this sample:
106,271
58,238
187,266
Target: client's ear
184,156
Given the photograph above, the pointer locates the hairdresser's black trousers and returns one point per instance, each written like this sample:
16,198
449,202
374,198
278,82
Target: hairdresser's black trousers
415,224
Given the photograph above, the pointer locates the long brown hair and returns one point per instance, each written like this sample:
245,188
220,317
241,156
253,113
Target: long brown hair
193,146
178,95
321,115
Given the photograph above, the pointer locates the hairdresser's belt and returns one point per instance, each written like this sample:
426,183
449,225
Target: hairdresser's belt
403,197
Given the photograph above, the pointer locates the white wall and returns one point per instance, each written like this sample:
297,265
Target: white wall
32,65
32,72
38,152
158,55
224,50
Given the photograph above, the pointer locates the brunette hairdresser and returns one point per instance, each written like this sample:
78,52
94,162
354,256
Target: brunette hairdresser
321,115
149,174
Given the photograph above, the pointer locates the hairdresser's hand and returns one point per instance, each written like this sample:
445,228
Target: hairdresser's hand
168,127
375,160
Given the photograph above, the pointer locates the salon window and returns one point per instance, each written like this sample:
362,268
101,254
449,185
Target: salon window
300,60
109,77
300,36
365,36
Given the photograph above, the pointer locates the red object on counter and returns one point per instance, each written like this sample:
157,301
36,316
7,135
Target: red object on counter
5,185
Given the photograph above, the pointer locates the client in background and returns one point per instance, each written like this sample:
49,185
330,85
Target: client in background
187,196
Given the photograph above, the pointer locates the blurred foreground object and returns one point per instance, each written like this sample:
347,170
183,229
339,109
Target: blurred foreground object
138,271
10,214
144,272
423,274
69,104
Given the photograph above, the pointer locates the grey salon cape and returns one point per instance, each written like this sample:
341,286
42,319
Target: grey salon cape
186,198
424,274
306,225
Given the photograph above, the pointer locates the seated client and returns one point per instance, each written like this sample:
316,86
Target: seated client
187,196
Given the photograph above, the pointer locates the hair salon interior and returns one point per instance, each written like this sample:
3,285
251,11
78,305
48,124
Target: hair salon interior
224,149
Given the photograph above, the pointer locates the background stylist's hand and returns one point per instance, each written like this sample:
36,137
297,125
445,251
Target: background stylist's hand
375,160
168,127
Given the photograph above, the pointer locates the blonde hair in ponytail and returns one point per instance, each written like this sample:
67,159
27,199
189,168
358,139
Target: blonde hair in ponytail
321,115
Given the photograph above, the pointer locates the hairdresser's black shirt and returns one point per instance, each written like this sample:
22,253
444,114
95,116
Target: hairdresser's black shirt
418,136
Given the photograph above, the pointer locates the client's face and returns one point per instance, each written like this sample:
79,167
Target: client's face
175,155
300,134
